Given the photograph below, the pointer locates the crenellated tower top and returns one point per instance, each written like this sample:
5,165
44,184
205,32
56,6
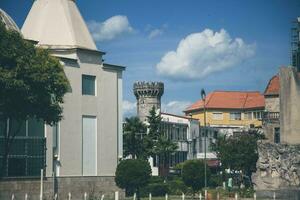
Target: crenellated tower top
148,94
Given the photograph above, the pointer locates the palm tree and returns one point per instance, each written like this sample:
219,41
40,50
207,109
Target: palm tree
134,131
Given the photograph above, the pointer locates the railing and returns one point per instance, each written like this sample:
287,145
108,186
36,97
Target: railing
271,117
27,156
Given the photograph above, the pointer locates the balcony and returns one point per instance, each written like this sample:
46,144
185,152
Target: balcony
271,117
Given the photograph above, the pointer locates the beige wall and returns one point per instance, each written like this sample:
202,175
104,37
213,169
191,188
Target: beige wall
272,103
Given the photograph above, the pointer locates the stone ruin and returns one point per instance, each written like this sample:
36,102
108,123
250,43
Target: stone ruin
278,166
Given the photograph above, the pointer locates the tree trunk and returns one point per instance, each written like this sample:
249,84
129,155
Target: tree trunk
138,196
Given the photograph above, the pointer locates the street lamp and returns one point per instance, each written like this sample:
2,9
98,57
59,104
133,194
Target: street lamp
203,97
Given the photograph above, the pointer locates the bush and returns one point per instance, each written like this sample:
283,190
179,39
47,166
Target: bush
193,174
156,186
215,180
177,186
131,175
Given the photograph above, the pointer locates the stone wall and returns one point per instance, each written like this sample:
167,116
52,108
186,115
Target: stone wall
95,187
278,166
289,105
148,94
272,103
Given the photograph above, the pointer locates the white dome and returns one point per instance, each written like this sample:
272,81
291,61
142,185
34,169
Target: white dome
8,21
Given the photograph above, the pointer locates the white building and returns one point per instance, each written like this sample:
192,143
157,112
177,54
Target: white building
180,130
88,141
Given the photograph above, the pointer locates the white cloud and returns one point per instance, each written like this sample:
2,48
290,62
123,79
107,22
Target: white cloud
129,108
111,28
175,107
172,107
154,33
201,54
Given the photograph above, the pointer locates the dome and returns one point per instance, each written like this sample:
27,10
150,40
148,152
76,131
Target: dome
57,24
8,21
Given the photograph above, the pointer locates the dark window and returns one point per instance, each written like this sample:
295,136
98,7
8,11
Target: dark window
18,127
88,85
277,135
35,128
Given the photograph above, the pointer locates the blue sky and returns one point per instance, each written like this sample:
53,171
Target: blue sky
189,45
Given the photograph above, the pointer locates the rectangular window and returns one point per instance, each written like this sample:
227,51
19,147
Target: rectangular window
277,135
217,116
89,138
235,116
248,115
257,115
35,128
88,85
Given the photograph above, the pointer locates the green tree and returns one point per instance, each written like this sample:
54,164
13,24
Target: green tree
157,142
238,152
134,131
163,148
131,175
193,174
32,85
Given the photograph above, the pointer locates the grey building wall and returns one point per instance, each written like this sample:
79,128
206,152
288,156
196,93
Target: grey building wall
290,105
105,106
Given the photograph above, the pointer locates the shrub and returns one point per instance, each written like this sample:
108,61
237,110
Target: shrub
193,174
131,175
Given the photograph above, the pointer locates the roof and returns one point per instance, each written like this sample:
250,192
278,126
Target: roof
179,116
57,23
273,86
230,100
8,21
114,67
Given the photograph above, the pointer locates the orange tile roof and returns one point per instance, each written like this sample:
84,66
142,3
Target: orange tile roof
273,86
230,100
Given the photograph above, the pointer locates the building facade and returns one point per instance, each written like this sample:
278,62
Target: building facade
271,116
88,140
229,111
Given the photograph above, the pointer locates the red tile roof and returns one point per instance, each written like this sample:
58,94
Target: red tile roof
230,100
273,86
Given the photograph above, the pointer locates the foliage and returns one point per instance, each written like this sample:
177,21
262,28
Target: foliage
177,186
215,180
134,131
161,146
32,84
154,121
156,189
238,153
133,174
193,174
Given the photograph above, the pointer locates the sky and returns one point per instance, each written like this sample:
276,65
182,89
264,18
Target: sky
188,45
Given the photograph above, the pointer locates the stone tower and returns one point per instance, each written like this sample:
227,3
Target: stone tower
148,94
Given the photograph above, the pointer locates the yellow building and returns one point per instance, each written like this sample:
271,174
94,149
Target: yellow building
229,111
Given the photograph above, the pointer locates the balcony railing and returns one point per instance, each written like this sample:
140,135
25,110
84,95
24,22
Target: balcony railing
269,117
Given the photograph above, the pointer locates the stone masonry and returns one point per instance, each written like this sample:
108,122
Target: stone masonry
278,166
95,187
148,94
